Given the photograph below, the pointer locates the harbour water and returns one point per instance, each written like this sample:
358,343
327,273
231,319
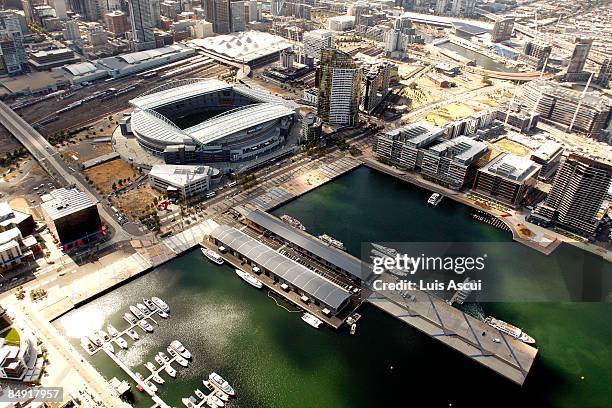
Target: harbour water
275,360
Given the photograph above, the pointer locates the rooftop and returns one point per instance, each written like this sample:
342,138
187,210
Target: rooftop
511,167
418,134
65,201
243,46
461,149
334,256
180,175
548,150
299,276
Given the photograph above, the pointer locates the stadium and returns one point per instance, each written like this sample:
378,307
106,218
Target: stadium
207,120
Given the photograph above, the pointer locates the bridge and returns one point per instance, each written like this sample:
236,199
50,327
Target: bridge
510,76
46,156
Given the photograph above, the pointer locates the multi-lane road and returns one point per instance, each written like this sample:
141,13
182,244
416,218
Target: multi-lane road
46,155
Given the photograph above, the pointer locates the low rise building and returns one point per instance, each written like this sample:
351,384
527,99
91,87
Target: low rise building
181,181
20,357
10,218
452,162
72,217
311,127
403,146
341,23
507,179
43,60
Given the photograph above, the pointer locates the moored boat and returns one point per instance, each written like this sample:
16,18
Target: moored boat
149,304
250,279
178,346
158,379
213,256
170,371
200,394
136,312
104,335
217,381
152,386
312,320
95,339
87,344
121,342
161,304
163,314
146,326
109,347
182,361
510,330
187,402
151,366
145,310
128,317
435,199
287,219
133,335
331,241
111,330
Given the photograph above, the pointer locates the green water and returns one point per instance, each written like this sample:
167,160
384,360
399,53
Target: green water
274,360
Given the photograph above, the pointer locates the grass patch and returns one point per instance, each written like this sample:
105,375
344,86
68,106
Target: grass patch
12,337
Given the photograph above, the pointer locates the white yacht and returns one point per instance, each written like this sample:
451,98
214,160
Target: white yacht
435,199
133,335
331,241
182,361
121,342
95,339
104,335
163,356
188,403
161,304
312,320
151,366
207,385
157,379
200,394
87,344
146,326
250,279
171,351
213,256
137,312
170,371
218,381
145,310
163,314
128,317
111,330
109,347
149,304
178,346
216,400
159,360
152,386
509,329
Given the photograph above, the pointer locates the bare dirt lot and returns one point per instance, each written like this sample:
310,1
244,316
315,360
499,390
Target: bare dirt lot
104,175
85,150
136,202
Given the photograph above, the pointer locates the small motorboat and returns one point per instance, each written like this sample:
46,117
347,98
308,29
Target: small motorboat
161,304
170,371
109,347
163,356
152,386
121,342
137,312
171,351
157,379
133,335
207,385
159,360
182,361
163,314
128,317
146,326
200,394
187,402
216,400
178,346
95,339
151,366
149,304
145,310
111,330
217,381
104,335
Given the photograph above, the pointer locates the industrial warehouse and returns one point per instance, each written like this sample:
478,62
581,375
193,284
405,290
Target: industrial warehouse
244,123
304,270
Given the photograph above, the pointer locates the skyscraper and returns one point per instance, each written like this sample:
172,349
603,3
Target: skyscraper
238,15
13,58
142,20
579,56
339,88
502,30
605,72
577,194
315,41
219,13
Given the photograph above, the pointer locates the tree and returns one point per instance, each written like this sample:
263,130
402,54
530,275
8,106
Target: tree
114,186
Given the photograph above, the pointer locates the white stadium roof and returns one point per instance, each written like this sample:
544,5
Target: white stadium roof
169,94
157,127
243,46
237,120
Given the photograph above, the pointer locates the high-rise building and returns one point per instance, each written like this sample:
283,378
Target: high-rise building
579,55
339,87
376,81
116,22
155,12
605,72
578,191
71,31
441,6
96,35
13,56
539,52
238,15
60,8
253,10
502,30
90,10
142,20
464,8
202,29
219,13
317,40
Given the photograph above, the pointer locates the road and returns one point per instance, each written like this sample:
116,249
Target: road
46,154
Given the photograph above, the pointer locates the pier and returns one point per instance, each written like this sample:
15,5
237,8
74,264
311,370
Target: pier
431,315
